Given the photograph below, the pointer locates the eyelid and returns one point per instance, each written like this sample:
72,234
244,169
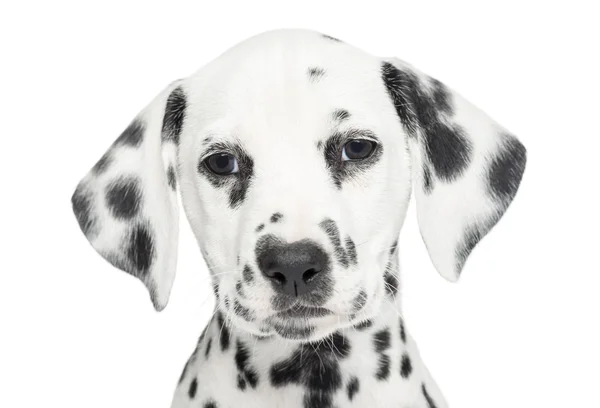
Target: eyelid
362,134
206,154
366,139
218,148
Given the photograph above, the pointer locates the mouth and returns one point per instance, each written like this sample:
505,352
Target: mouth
304,312
294,323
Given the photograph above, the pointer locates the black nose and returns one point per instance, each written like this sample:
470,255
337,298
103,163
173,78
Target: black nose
295,268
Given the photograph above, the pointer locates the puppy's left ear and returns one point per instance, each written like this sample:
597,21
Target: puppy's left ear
466,168
127,203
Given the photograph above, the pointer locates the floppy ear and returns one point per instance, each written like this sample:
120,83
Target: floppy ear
466,167
127,204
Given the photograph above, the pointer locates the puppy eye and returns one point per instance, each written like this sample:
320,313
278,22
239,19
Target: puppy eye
222,164
357,149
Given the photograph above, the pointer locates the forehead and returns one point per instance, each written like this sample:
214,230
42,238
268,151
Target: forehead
286,87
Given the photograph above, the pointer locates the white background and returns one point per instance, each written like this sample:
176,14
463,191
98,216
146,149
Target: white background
519,330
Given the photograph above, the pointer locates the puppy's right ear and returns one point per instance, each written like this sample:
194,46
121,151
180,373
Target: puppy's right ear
127,204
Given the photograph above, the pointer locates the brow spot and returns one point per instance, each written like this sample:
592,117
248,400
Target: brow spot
340,115
315,73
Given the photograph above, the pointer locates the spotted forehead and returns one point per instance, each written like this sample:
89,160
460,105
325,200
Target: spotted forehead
286,90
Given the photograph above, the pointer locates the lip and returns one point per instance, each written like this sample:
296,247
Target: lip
300,311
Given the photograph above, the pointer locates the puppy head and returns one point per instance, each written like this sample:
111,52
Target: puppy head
295,156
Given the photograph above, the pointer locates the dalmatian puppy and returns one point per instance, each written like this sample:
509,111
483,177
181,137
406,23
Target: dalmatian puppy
295,155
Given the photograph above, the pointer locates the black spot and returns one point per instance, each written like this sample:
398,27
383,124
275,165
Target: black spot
140,250
248,274
353,387
208,346
82,207
405,366
242,362
365,324
225,335
330,228
193,388
174,116
448,149
442,97
276,217
102,165
237,183
506,170
288,371
430,402
402,332
401,88
315,73
351,251
216,290
330,38
226,301
242,311
382,340
315,366
239,289
359,301
171,178
132,136
383,367
342,170
446,144
260,227
210,404
241,382
317,400
427,181
124,197
252,378
340,115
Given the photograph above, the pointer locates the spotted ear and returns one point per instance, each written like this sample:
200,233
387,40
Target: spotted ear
466,167
127,204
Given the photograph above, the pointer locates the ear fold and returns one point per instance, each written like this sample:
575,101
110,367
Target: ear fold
127,204
466,167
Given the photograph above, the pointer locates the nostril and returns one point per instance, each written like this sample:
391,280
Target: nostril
277,277
309,274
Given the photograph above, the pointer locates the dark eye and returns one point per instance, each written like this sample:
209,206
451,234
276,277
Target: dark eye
222,164
357,149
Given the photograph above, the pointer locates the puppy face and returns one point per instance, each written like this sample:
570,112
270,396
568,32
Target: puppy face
294,154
